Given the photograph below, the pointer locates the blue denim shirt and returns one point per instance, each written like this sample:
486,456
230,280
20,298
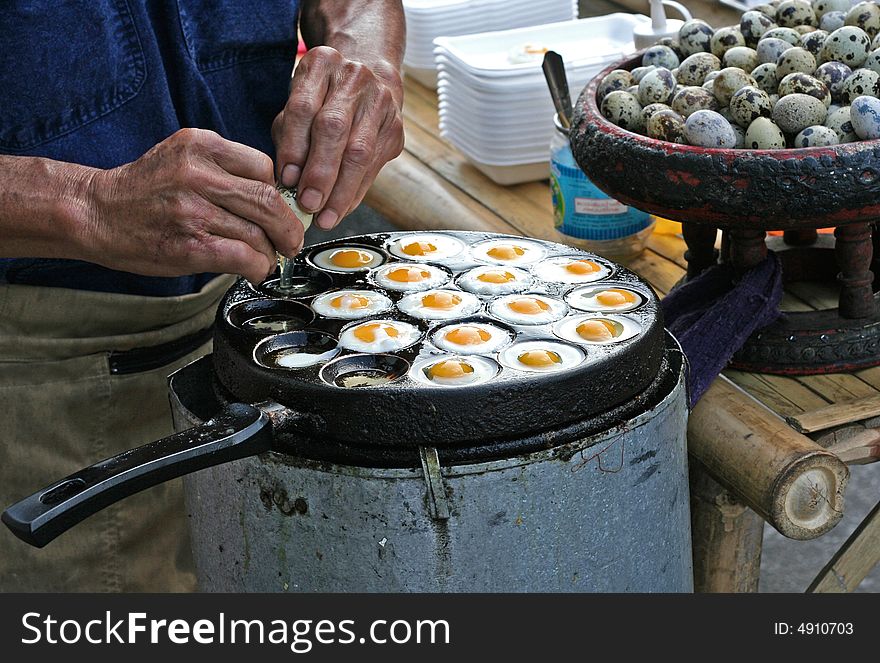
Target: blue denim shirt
99,82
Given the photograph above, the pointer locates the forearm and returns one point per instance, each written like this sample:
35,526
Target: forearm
43,208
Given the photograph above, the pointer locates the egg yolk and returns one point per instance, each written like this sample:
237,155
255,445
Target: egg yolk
597,330
539,358
528,306
582,267
506,252
368,333
496,277
351,258
350,302
450,368
408,275
615,297
419,249
441,300
468,335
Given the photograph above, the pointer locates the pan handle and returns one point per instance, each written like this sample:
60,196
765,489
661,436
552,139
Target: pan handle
237,432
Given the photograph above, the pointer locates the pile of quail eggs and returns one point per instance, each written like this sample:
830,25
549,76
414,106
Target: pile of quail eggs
792,74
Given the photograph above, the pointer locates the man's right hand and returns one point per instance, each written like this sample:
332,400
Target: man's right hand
194,203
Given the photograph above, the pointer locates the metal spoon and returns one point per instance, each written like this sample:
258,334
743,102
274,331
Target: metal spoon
557,81
289,195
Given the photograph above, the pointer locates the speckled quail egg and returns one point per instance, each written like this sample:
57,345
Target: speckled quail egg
672,42
633,90
729,81
833,74
875,43
795,12
753,24
865,15
816,136
639,72
805,84
657,87
439,304
839,121
862,82
691,99
795,59
804,29
725,113
814,41
724,39
749,103
763,134
765,77
796,112
695,68
709,86
865,117
774,99
649,110
769,49
822,7
832,20
848,44
705,128
788,35
872,62
711,75
528,309
741,56
660,56
740,136
767,9
666,125
619,79
694,36
623,109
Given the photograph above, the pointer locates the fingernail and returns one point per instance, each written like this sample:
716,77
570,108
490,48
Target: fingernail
290,175
327,219
310,200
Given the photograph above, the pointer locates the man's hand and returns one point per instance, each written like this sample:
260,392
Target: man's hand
194,203
341,124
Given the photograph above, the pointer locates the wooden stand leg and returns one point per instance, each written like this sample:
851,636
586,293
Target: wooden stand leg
854,250
727,537
700,254
748,248
800,237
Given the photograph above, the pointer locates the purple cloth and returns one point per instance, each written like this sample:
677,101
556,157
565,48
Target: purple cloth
714,314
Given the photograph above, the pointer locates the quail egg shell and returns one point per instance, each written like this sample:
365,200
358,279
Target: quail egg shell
495,280
865,117
832,20
795,59
805,84
753,24
454,371
667,125
696,67
796,112
822,7
765,77
770,48
767,9
649,110
660,56
689,100
439,304
795,12
865,15
814,41
816,136
833,74
849,45
740,136
623,109
656,87
602,299
749,103
426,246
694,36
763,134
840,121
706,128
528,309
724,39
350,304
511,251
860,83
541,356
742,57
639,73
571,269
789,35
619,79
872,62
470,338
596,329
348,259
404,276
375,336
729,81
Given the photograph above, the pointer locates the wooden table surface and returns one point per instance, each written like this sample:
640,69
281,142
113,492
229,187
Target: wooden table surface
433,186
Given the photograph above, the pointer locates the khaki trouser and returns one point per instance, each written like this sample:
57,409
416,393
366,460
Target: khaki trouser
61,410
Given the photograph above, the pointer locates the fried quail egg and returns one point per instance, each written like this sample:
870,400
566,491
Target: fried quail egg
609,298
409,276
571,269
439,304
454,371
350,304
596,329
495,280
425,247
528,309
348,259
541,356
470,338
379,336
508,251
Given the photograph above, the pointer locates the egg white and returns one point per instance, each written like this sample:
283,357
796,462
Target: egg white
446,246
407,335
469,281
377,304
553,270
437,277
533,251
484,369
411,304
322,259
567,329
500,309
498,338
584,299
570,356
